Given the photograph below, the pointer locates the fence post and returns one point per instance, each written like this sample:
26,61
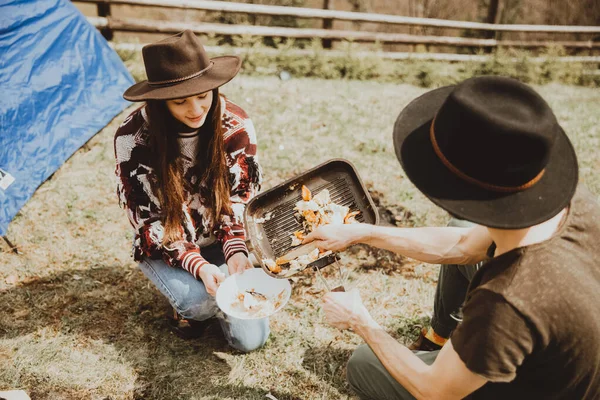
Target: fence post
327,24
492,18
104,11
252,17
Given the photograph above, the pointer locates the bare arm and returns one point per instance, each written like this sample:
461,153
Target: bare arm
435,245
453,380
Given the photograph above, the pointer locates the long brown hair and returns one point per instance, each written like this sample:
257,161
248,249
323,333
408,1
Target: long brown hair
211,166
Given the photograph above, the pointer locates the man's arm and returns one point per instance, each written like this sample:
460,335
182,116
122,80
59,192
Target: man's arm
447,378
435,245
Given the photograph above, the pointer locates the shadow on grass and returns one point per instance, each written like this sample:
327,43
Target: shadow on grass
244,392
369,258
330,364
116,305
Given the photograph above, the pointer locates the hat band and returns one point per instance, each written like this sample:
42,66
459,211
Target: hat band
185,78
465,177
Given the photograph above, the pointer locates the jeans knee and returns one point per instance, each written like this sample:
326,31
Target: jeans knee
249,345
186,294
246,335
197,311
193,303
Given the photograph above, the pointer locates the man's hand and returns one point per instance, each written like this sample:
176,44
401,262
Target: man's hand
238,262
338,237
211,276
345,310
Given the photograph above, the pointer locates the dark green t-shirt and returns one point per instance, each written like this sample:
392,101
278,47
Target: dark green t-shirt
531,320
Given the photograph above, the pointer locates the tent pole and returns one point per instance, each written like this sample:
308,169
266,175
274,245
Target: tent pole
12,246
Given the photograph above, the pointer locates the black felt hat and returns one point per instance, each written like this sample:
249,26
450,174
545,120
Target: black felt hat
488,150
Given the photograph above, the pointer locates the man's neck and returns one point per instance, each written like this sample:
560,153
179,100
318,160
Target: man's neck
509,239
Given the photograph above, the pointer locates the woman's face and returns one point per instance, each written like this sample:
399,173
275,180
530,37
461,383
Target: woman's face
192,110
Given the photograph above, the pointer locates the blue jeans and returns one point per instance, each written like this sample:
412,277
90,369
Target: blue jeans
189,298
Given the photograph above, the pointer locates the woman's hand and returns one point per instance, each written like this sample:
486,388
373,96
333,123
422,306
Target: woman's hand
345,310
238,262
211,276
338,237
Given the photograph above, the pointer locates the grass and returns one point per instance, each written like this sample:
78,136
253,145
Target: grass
349,62
80,321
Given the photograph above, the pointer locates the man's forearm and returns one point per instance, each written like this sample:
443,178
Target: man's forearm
435,245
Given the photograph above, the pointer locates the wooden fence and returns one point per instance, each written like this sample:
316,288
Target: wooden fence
449,57
108,24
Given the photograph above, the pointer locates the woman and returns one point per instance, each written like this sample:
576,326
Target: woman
186,166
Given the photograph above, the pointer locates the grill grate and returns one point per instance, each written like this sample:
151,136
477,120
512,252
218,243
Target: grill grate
283,222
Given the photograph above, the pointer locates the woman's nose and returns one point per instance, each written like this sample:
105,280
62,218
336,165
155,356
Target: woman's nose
197,107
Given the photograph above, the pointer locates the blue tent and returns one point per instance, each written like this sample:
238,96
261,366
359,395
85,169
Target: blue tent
60,83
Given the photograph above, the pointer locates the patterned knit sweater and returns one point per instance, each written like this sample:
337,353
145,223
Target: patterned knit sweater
137,197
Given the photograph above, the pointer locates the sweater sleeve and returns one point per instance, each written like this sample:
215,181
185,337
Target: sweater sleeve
245,180
136,196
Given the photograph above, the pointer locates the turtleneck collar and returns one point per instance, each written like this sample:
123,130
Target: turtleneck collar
182,129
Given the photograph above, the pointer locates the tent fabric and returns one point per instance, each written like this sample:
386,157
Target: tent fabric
60,83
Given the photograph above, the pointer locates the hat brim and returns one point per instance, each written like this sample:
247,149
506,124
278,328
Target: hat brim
518,210
225,68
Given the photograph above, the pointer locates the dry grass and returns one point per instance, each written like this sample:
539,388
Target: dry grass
80,321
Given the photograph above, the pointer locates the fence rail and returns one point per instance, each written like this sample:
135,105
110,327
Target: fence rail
299,12
154,26
108,24
135,47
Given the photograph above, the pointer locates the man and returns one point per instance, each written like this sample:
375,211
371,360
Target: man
489,150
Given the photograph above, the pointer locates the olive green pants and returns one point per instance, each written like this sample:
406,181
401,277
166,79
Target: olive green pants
370,380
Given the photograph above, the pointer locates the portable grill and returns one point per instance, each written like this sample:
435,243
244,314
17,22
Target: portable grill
270,216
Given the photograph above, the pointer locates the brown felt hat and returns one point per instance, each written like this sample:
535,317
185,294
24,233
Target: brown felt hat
179,67
488,150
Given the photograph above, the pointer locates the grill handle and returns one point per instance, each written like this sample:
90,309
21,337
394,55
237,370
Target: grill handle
249,246
252,255
323,262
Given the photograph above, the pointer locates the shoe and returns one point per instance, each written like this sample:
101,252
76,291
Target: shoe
188,328
423,344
